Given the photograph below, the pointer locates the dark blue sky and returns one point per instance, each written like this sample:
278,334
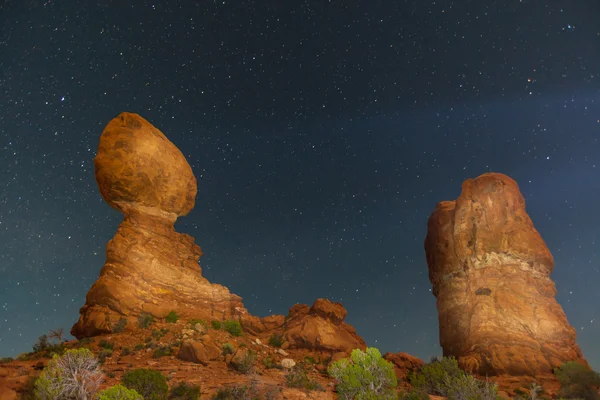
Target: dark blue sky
322,135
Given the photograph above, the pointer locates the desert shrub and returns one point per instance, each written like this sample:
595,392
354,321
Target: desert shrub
276,340
145,320
270,364
162,351
238,392
152,385
577,381
171,317
4,360
434,376
365,376
233,327
310,360
227,348
119,392
414,394
467,387
159,333
106,345
74,375
126,351
297,378
183,391
139,346
195,321
216,324
46,346
246,365
104,354
120,326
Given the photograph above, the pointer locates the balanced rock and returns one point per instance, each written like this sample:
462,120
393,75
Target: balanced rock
321,328
150,268
490,271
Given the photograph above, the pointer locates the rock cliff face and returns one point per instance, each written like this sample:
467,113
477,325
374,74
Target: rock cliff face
150,268
490,270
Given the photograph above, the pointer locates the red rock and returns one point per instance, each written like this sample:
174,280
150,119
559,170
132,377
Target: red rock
490,271
320,329
404,364
150,268
198,352
333,312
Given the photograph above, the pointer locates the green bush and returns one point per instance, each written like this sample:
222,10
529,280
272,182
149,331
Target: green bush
119,392
162,351
194,322
104,354
4,360
152,385
434,376
365,376
106,345
125,352
159,333
577,381
44,345
414,394
276,340
297,378
227,348
120,326
172,317
74,375
145,320
233,327
139,346
466,386
217,325
246,365
183,391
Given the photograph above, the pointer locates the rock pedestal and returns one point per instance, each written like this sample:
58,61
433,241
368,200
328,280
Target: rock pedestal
490,270
150,268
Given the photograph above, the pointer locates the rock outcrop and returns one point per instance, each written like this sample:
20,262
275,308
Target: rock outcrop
150,268
321,328
490,270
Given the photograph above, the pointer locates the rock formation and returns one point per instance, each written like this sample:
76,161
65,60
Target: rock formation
490,270
150,268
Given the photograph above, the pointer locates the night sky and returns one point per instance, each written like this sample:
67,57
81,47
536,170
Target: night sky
322,134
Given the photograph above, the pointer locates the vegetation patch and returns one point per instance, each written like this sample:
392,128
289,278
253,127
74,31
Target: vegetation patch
364,376
145,320
120,326
233,327
172,317
183,391
152,385
276,340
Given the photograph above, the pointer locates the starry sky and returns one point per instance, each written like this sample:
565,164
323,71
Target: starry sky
322,134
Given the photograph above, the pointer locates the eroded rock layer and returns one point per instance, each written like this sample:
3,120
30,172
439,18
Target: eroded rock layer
490,270
150,268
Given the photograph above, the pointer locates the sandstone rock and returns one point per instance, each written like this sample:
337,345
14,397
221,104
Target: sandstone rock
288,363
149,266
252,324
243,359
490,271
273,321
198,352
320,328
325,309
282,352
404,364
200,328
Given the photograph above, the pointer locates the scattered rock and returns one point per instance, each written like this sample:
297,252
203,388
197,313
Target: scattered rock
288,363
